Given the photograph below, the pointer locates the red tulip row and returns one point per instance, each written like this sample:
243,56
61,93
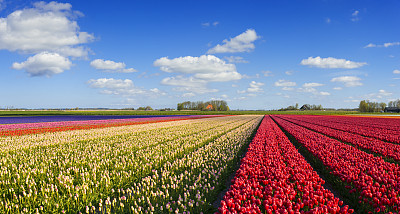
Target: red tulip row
376,122
40,130
377,146
357,127
275,178
374,181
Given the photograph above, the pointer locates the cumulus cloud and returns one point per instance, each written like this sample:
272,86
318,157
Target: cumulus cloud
190,94
354,16
205,67
111,66
396,71
284,83
44,64
348,81
312,84
198,72
379,95
240,43
121,87
310,88
189,84
45,27
384,45
267,73
208,24
289,73
337,88
235,59
331,62
287,88
255,87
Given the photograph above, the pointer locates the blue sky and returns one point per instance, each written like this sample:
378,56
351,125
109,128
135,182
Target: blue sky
253,54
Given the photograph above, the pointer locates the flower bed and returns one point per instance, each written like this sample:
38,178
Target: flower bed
374,182
275,178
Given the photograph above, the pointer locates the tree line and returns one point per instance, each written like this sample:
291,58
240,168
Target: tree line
368,106
303,107
213,105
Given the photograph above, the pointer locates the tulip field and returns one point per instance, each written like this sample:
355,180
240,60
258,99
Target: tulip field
200,164
174,166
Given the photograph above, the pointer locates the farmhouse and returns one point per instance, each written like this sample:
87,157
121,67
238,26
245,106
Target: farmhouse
305,107
392,109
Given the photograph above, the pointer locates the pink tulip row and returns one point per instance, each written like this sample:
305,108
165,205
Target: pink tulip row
354,125
375,182
275,178
377,146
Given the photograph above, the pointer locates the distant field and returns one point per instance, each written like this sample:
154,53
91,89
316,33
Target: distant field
134,112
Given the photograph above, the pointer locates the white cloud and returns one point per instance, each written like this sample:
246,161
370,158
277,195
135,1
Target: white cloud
370,45
287,88
284,83
121,87
289,73
396,71
348,81
324,93
190,84
328,20
354,16
331,62
44,64
310,88
255,87
240,43
312,84
384,93
384,45
111,83
379,95
199,72
190,94
235,59
111,66
45,27
267,73
337,88
208,24
205,67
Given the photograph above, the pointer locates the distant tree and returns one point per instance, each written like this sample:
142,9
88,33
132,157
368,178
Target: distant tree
367,106
382,106
217,105
363,106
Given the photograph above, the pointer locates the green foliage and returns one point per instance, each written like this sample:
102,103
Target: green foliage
367,106
213,105
395,103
